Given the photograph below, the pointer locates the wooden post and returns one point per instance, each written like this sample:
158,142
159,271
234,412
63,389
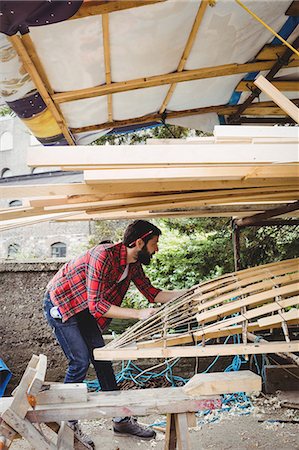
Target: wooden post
236,245
170,435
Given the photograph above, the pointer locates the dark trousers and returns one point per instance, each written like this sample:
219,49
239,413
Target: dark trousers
78,337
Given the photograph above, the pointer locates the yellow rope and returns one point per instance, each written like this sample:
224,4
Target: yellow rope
267,26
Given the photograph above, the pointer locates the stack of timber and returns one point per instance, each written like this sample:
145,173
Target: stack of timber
244,302
237,172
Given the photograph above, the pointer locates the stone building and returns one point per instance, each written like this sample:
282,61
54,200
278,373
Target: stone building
46,240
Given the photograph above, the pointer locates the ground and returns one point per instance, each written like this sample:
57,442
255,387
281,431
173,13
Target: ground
229,430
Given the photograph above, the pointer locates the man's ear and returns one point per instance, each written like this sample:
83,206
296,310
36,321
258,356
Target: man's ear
139,244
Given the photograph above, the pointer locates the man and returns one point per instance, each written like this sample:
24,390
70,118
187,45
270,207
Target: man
87,293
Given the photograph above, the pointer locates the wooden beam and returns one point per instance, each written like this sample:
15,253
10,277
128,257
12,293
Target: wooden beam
164,198
247,221
191,39
272,52
257,109
30,47
187,338
228,132
127,156
117,403
95,8
98,177
293,9
289,85
282,61
106,42
218,383
38,82
24,191
281,100
195,351
168,78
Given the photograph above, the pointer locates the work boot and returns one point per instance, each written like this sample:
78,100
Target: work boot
81,436
130,427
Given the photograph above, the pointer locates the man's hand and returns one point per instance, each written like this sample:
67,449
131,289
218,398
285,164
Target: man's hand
145,313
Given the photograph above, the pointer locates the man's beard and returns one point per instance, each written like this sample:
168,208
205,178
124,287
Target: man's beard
144,256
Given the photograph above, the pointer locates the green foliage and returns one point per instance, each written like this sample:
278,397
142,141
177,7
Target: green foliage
141,136
194,250
6,111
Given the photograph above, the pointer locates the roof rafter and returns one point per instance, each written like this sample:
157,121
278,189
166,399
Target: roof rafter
283,60
260,108
285,85
95,8
37,80
107,59
191,39
169,78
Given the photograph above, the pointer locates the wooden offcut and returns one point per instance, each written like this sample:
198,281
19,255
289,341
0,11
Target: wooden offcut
223,383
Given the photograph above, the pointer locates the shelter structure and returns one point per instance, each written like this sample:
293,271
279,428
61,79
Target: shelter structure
75,70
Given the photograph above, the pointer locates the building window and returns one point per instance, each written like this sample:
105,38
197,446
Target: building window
14,203
58,250
13,251
6,172
6,141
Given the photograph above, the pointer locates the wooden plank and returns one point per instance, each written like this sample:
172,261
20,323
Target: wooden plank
264,85
186,338
20,403
164,198
66,437
293,9
183,438
257,109
27,430
192,351
106,42
163,79
272,52
62,393
170,434
237,132
223,383
243,292
187,50
293,314
127,155
192,420
263,297
195,174
61,189
32,71
141,403
39,376
95,8
286,86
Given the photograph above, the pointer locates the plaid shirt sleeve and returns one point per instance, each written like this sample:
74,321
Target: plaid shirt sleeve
143,284
98,284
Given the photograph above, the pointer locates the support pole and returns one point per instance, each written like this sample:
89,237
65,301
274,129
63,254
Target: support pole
256,219
236,245
281,61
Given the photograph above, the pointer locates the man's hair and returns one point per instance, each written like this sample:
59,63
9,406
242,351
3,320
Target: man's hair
140,229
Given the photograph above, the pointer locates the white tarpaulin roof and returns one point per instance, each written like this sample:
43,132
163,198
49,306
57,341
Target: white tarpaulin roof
126,49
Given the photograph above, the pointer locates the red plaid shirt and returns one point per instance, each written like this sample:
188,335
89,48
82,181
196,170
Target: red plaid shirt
91,281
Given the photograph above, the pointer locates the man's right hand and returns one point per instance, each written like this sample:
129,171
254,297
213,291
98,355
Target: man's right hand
145,313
